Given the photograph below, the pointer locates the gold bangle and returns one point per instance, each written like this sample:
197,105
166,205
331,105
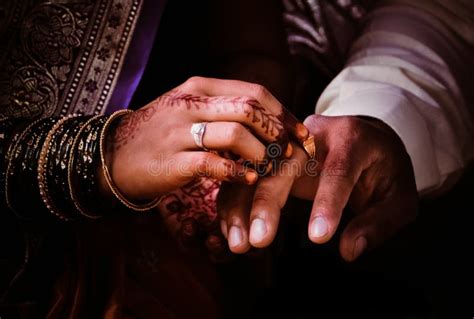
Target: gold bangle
108,178
42,166
72,191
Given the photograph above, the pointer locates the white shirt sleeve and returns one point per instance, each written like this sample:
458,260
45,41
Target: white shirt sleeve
413,68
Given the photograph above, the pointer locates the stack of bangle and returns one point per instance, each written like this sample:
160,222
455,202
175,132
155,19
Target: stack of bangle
20,162
54,163
82,168
52,168
23,166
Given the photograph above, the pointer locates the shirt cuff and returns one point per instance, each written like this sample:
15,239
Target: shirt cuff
394,108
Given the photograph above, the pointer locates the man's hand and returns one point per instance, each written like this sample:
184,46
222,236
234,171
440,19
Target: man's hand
360,163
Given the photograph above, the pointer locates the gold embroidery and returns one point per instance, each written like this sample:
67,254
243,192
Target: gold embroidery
61,59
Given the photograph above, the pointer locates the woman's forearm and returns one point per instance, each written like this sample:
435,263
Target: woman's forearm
47,166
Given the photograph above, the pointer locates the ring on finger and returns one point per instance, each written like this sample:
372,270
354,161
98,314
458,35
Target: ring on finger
310,147
197,131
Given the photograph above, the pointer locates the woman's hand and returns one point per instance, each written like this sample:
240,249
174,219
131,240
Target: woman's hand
360,163
151,151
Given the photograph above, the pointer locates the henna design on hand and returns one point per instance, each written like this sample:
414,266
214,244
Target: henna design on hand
191,211
127,127
250,107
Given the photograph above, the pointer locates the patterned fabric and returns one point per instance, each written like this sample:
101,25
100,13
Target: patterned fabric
62,58
322,30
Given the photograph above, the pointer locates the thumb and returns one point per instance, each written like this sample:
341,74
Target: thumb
374,226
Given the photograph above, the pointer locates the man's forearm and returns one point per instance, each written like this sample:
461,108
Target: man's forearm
408,69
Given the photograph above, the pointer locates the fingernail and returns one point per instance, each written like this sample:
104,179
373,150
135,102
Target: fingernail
235,236
302,131
289,151
359,247
319,227
251,177
258,230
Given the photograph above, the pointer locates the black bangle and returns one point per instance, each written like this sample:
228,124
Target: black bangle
82,169
44,179
57,166
22,193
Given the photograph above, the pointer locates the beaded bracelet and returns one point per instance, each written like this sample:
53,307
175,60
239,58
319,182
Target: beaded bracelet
108,178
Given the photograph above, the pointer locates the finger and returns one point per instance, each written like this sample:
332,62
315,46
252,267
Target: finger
189,165
266,99
270,196
319,125
374,226
337,179
218,87
233,206
233,137
246,111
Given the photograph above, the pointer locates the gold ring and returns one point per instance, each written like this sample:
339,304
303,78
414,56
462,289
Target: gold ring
310,147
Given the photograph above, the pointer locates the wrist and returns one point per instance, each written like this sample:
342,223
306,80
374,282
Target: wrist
108,156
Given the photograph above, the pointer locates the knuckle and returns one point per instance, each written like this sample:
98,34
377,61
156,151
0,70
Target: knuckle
339,171
193,82
233,133
311,121
346,140
351,128
260,92
265,197
320,124
262,196
247,107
